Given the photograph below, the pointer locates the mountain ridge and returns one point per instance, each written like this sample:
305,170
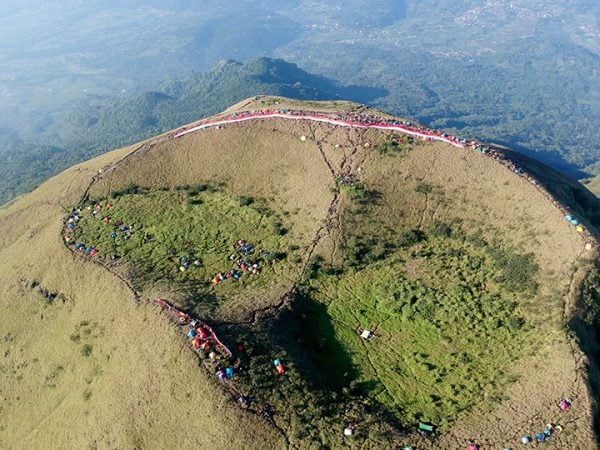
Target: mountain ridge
311,192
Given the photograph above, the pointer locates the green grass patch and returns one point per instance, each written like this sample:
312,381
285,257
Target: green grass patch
183,237
395,145
446,322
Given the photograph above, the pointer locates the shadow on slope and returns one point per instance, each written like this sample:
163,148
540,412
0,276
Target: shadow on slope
318,395
586,325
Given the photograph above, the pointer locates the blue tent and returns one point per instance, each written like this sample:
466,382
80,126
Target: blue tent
540,437
229,372
569,217
192,333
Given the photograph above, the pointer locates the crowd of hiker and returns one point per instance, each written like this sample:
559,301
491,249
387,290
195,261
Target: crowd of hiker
245,260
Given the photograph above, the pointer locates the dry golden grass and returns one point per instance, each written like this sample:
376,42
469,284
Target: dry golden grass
489,199
139,385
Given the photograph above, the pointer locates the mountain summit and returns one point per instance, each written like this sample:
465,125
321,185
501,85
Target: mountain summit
289,274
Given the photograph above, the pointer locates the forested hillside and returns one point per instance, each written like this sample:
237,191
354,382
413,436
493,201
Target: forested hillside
103,125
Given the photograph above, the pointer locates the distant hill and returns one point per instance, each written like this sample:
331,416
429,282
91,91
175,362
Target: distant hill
104,125
347,280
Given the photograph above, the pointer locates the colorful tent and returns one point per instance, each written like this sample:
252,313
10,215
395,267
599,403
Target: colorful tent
564,404
426,427
278,366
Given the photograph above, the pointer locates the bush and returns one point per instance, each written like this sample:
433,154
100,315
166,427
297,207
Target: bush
409,238
134,189
246,201
518,271
440,229
423,188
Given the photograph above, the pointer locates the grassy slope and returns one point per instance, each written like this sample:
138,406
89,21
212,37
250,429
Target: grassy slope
270,162
490,201
471,180
138,382
201,226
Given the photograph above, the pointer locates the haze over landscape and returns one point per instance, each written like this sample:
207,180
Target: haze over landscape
299,224
520,73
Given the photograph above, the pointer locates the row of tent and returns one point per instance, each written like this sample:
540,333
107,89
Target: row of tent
427,429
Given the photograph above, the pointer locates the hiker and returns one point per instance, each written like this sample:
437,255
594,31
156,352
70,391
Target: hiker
564,404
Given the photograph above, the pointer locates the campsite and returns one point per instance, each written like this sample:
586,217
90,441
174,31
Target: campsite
314,275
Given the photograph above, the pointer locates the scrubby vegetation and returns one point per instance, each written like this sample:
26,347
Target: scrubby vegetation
395,145
444,314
